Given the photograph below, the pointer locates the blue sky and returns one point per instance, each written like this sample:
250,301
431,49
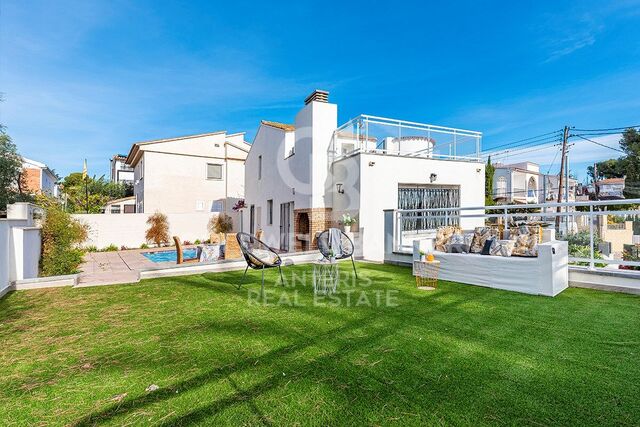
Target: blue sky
84,79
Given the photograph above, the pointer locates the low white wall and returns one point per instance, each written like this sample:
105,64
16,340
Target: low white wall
4,256
129,230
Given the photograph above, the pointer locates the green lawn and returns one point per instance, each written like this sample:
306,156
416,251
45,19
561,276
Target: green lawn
457,355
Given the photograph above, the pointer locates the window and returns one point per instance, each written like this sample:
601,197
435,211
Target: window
259,167
217,206
501,187
199,205
129,208
270,212
214,171
428,197
115,209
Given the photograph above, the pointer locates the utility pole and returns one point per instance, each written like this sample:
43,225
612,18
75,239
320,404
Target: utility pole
565,137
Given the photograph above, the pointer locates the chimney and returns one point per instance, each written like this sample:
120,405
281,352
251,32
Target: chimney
318,96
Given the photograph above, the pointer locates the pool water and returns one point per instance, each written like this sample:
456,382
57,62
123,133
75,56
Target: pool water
170,256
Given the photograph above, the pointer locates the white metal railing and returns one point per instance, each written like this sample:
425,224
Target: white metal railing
544,212
380,135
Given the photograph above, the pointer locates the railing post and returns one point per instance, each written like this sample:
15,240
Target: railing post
591,250
506,219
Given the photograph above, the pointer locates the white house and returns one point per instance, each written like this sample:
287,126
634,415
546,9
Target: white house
300,178
120,170
197,173
38,178
523,183
125,205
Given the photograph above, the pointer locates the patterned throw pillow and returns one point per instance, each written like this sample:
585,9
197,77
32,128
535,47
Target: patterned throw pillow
526,245
443,235
527,238
481,235
502,247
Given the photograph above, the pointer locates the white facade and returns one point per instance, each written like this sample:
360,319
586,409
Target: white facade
126,205
363,181
523,183
199,173
120,171
39,178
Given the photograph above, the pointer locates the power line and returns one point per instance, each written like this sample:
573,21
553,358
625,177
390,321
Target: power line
509,153
554,133
602,145
605,130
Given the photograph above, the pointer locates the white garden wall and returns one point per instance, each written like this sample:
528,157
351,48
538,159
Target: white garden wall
129,230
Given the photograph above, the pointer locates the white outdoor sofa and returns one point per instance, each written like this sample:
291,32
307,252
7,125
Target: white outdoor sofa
547,274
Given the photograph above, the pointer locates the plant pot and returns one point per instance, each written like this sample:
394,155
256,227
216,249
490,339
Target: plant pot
347,228
423,258
332,259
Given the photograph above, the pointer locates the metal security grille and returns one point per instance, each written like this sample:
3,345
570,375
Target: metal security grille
428,197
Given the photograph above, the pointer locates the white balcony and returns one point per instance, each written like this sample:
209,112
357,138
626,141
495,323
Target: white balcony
380,135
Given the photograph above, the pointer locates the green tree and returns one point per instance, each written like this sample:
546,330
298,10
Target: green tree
489,171
11,178
627,166
94,193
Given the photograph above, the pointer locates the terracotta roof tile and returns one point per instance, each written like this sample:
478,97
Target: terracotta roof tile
283,126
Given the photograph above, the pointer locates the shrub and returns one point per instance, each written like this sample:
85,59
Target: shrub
158,231
123,248
197,242
186,242
91,248
581,251
110,248
144,246
220,224
61,235
581,238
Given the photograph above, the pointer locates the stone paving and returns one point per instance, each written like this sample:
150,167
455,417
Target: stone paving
102,268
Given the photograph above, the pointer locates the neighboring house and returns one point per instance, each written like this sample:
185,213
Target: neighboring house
523,183
120,171
121,206
197,173
301,177
38,178
610,189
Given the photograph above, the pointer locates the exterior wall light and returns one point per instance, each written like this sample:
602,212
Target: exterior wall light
339,188
433,177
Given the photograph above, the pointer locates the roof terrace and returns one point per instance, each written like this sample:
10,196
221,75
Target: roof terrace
371,134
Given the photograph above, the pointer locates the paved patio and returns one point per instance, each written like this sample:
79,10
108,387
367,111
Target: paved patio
102,268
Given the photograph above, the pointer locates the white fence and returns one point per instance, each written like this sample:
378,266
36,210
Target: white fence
129,229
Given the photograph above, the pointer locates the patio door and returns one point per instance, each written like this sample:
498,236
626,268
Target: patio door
285,226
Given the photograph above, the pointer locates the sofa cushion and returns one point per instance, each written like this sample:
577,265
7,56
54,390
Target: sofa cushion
443,234
526,245
481,235
457,248
502,247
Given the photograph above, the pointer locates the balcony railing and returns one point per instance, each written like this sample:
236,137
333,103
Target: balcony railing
578,221
379,135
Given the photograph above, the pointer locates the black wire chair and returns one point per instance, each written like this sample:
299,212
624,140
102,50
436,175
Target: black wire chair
259,256
346,247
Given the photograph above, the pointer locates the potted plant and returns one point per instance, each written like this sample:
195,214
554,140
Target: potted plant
220,225
332,256
347,221
423,256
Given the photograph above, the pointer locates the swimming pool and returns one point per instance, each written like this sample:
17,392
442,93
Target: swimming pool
170,256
